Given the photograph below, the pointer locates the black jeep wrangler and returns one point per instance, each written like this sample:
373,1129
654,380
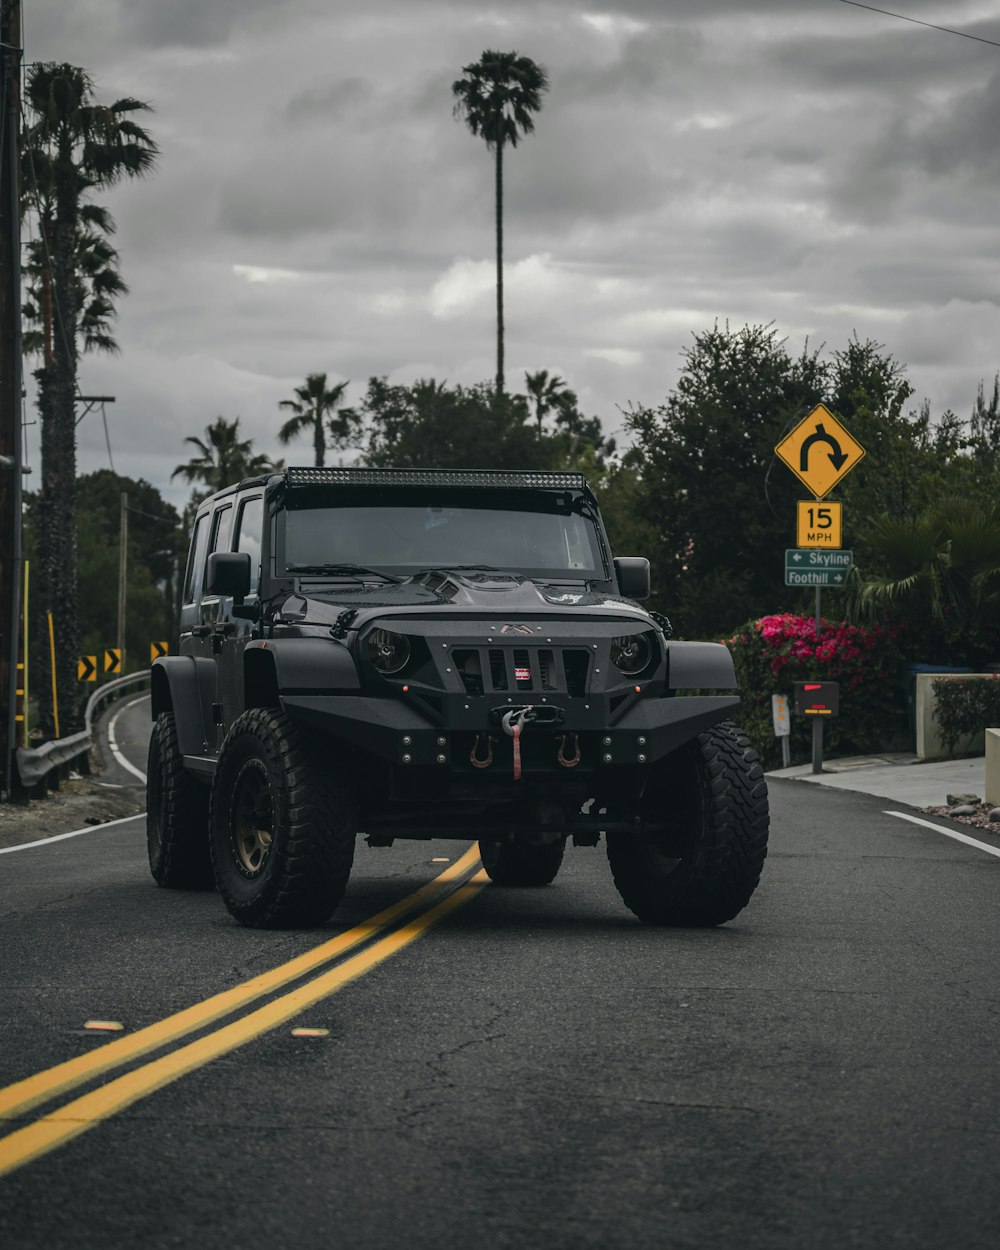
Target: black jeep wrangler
438,654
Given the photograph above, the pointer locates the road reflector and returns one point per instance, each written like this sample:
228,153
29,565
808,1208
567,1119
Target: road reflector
780,716
105,1026
302,1032
440,859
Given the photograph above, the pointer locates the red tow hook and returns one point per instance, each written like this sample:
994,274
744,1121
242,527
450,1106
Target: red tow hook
513,722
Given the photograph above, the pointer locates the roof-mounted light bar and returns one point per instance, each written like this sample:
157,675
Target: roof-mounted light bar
523,478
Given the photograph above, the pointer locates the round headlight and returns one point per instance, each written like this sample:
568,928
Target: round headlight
389,652
631,653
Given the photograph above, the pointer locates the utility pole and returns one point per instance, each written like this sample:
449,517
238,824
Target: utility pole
122,575
11,458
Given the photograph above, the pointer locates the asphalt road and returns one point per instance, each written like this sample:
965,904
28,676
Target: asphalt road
535,1070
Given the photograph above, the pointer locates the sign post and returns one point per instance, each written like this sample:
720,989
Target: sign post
820,451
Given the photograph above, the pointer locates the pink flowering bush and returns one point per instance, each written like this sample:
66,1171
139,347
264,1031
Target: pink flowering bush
774,652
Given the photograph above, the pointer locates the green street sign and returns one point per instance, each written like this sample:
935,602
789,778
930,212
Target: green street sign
796,558
815,577
816,568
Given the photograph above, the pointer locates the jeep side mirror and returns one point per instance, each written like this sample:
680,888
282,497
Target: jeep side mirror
228,574
633,576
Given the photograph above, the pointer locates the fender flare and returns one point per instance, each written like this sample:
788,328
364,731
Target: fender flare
700,666
297,665
186,686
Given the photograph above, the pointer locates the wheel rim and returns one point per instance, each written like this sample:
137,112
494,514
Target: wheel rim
252,818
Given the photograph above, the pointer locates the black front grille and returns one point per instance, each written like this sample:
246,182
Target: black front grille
490,670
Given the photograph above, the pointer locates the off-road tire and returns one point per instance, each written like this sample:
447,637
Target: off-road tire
310,809
515,863
706,823
176,815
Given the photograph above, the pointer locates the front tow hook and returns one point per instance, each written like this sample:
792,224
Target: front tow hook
528,714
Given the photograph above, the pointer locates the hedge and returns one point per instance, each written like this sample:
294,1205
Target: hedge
772,653
966,707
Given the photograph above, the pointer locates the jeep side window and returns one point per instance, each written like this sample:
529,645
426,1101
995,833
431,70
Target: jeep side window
248,530
196,560
222,527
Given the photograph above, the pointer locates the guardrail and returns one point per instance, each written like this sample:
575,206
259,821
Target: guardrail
34,764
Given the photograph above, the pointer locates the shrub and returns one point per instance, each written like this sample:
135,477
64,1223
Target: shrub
965,707
772,653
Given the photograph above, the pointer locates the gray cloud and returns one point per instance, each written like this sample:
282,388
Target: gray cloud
318,207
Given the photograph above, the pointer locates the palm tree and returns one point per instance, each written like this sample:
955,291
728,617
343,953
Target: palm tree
314,408
942,576
224,457
72,145
496,98
547,393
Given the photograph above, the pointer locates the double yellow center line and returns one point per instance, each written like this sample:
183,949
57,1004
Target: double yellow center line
75,1117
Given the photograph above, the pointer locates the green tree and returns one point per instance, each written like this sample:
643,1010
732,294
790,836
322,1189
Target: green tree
315,408
496,98
699,493
939,575
155,550
546,393
432,425
224,458
72,146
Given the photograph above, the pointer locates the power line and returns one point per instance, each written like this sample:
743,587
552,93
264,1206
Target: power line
947,30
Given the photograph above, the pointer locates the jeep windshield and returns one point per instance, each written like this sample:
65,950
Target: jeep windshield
539,536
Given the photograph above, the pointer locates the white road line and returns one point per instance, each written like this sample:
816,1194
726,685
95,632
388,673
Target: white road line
59,837
949,833
113,741
117,753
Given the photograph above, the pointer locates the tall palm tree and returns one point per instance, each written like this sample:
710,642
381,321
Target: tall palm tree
496,98
546,393
315,409
224,457
72,146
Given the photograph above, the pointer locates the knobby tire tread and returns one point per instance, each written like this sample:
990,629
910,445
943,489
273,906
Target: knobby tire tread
314,850
715,882
177,815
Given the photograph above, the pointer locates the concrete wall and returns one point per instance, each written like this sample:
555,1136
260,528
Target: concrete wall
929,744
993,767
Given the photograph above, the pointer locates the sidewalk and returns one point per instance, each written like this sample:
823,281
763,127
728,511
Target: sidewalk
902,778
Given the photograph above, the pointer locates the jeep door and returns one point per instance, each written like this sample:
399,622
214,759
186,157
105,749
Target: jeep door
246,536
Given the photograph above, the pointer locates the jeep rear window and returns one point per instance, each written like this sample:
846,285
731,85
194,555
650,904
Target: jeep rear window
540,538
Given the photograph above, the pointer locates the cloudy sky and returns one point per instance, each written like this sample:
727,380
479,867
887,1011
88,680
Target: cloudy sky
318,208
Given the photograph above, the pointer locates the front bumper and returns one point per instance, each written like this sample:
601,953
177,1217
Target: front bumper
638,732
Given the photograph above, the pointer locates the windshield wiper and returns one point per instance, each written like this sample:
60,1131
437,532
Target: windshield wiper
358,571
